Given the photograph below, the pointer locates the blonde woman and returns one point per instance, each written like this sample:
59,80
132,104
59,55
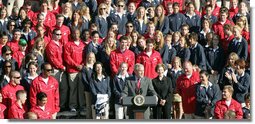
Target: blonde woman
86,76
141,20
85,15
160,20
174,73
104,54
101,20
38,50
67,12
161,47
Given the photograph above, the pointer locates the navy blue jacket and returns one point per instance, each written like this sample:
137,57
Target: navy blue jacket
241,88
176,21
184,54
118,86
164,53
91,48
105,60
194,23
78,6
100,87
241,48
92,4
223,80
86,76
131,17
121,21
206,98
171,54
139,29
102,26
164,27
197,56
215,59
31,35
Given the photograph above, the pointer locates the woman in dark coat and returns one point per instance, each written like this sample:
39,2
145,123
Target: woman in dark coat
164,90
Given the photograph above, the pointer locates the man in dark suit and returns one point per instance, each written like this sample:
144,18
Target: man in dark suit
138,84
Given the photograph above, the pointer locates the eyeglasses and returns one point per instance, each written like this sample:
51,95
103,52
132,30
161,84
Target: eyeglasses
12,25
48,70
58,34
17,77
120,5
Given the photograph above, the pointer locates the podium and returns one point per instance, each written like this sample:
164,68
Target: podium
139,104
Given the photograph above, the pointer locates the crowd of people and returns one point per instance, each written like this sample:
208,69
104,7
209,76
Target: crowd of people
86,56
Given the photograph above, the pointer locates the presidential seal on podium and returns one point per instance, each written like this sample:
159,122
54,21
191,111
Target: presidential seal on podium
139,100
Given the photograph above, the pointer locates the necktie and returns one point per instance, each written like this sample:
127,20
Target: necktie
138,84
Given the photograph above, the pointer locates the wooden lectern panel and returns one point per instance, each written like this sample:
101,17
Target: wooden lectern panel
139,115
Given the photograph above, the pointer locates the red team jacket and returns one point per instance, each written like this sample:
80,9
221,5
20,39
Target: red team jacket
17,112
187,89
54,55
73,56
14,45
219,30
221,107
42,114
51,89
117,57
149,63
9,94
2,109
18,56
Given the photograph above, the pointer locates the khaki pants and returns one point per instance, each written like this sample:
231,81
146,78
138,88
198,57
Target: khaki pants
120,111
10,4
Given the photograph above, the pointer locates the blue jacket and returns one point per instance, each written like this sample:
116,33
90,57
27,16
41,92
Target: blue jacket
194,23
139,29
206,98
176,21
241,48
164,27
241,88
102,26
100,87
197,56
184,54
215,59
121,21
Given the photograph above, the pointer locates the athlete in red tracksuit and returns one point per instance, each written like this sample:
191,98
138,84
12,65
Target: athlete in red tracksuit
9,91
2,107
186,87
122,54
14,43
47,84
54,51
149,58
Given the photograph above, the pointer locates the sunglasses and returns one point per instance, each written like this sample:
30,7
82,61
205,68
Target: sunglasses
129,26
7,54
120,5
17,77
58,34
48,70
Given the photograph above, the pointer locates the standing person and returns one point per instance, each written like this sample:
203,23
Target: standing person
177,19
119,83
73,57
207,94
140,22
9,91
174,73
41,110
2,107
247,107
94,44
122,54
197,56
240,81
86,75
119,17
164,90
218,26
18,109
48,84
186,87
101,20
101,92
160,20
149,58
5,75
227,103
14,42
183,50
238,45
193,19
138,84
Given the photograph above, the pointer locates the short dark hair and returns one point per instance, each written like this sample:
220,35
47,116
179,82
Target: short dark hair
44,64
123,38
204,72
176,4
93,33
5,49
194,36
150,40
40,96
55,30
